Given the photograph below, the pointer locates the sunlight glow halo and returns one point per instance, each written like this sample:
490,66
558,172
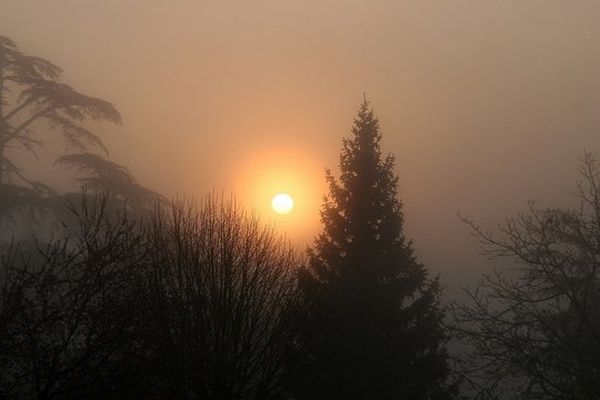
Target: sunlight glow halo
282,203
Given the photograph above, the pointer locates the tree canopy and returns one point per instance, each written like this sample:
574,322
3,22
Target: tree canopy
372,324
101,175
34,101
31,92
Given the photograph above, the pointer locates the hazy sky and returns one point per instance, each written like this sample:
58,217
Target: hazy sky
486,104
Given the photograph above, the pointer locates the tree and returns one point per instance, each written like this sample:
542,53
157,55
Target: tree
31,97
104,176
373,326
183,304
69,314
32,101
218,284
534,330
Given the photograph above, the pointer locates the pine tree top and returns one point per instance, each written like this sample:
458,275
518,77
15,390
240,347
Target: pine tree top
362,216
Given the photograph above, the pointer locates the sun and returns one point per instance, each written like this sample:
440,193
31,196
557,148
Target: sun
282,203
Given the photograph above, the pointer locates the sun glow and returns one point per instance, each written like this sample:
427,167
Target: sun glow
292,170
282,203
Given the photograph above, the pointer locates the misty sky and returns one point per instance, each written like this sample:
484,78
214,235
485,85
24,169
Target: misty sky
486,104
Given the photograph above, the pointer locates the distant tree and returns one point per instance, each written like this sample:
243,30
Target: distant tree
217,284
30,94
534,330
100,175
34,101
22,206
373,326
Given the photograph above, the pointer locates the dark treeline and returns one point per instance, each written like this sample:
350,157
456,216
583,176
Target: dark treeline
135,298
189,304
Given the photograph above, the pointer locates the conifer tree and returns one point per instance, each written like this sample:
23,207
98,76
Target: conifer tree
31,97
372,324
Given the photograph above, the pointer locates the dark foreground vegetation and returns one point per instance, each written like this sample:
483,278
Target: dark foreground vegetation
128,297
190,303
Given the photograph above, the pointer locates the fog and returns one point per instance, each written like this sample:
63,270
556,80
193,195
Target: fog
485,104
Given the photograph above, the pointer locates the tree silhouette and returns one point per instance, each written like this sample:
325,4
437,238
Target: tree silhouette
100,175
534,330
34,101
69,315
187,303
372,325
217,284
32,97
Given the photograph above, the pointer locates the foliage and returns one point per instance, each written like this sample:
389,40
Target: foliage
105,176
535,330
30,94
33,100
372,322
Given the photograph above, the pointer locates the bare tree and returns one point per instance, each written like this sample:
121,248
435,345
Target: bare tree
68,315
218,284
535,330
188,303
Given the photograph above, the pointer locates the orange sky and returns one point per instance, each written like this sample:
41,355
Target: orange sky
486,104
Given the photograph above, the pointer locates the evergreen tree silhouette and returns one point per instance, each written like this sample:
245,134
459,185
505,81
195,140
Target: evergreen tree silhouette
32,97
372,324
